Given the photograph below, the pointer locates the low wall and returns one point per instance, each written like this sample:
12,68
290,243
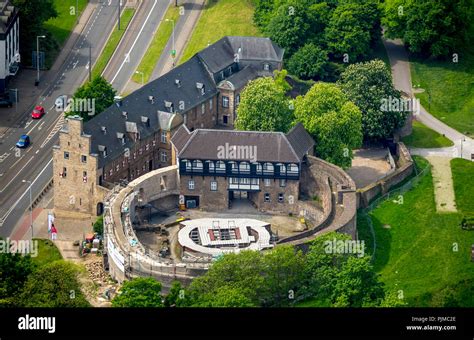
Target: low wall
405,167
339,202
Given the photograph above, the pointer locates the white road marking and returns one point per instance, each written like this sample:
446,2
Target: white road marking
28,124
21,197
58,126
41,126
18,172
4,156
75,64
136,39
32,128
17,161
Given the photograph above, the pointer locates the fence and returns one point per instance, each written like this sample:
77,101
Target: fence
400,190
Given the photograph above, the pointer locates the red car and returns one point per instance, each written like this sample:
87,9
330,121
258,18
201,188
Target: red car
38,112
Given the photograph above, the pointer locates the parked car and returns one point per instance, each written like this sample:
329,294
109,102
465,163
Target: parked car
5,102
38,112
23,142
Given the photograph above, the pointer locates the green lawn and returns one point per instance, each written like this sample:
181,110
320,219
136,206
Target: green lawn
221,18
153,54
112,43
62,26
451,86
423,137
416,245
463,171
47,253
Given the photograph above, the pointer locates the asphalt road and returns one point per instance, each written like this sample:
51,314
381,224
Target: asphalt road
135,42
35,163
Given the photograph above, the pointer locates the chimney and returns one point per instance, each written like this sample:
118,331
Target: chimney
151,99
104,129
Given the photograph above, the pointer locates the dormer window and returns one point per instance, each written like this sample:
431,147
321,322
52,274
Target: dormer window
151,99
103,129
125,114
145,120
229,70
103,150
169,106
177,82
201,87
266,67
121,137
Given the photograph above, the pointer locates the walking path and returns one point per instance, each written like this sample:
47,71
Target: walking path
440,157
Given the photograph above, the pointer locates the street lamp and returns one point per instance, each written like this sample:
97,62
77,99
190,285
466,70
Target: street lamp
37,57
462,141
173,52
139,72
31,208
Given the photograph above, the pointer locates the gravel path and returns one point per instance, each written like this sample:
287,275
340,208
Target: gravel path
443,183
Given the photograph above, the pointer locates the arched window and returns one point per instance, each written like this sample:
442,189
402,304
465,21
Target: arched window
234,166
293,168
212,166
259,168
244,167
282,168
197,165
220,166
268,168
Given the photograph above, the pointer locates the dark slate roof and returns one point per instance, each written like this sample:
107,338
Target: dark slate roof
241,78
138,104
8,13
222,53
300,140
204,144
181,137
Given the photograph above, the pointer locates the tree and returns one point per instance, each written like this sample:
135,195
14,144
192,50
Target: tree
98,226
309,62
33,14
263,107
332,120
92,98
14,271
53,285
139,292
369,86
225,296
436,28
343,277
284,271
289,26
177,296
346,35
241,271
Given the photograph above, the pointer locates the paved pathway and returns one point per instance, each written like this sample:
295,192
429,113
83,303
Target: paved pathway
443,183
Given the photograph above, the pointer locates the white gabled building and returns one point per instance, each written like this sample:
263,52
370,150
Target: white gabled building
9,42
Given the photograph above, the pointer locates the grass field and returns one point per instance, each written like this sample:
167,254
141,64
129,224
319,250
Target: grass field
221,18
113,42
423,137
47,253
451,86
421,252
153,54
62,26
463,171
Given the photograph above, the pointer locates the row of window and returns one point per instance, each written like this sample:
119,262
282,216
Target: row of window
281,197
239,181
64,173
225,101
83,157
242,167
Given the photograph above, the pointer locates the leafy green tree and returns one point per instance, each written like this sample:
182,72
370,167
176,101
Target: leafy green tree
392,299
369,85
309,62
357,284
346,35
341,277
53,285
334,122
139,292
280,80
98,226
99,92
436,28
225,296
284,274
263,107
14,271
241,271
289,26
33,14
177,296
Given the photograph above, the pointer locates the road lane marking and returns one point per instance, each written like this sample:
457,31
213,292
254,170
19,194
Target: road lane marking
136,39
58,126
4,156
41,125
18,172
17,161
32,128
5,216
